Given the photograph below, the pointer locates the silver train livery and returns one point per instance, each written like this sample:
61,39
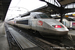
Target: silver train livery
40,22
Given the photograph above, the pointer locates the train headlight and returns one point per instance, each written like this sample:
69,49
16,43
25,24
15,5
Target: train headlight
57,26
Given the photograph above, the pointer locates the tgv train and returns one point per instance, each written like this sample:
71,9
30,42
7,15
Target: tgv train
40,22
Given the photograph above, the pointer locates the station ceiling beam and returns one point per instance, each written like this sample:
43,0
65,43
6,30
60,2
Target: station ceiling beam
61,10
51,6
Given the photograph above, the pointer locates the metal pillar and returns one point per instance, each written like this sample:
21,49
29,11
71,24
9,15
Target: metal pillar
61,13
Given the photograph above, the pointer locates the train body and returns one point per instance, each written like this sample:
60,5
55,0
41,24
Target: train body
40,22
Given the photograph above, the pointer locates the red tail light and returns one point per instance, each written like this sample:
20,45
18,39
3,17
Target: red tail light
58,26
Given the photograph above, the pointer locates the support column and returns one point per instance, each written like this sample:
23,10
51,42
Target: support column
61,13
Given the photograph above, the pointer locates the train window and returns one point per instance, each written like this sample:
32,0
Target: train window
22,22
43,16
36,17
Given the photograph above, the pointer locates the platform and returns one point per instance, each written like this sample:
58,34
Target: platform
3,39
71,32
22,41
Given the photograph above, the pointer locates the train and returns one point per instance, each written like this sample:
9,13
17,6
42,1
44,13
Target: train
42,23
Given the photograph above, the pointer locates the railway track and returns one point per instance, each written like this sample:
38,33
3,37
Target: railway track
46,43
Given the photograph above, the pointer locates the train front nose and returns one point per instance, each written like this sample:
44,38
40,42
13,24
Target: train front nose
60,29
54,27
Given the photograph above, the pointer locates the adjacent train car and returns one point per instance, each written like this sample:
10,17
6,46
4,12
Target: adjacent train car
69,22
40,22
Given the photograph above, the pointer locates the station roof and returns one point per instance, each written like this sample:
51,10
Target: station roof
66,2
55,9
4,4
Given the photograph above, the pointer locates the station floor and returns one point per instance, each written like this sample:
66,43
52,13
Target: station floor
3,38
72,32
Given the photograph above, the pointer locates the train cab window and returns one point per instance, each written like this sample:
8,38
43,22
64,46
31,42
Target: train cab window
36,17
43,16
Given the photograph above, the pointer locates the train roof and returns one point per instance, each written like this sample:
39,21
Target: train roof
36,13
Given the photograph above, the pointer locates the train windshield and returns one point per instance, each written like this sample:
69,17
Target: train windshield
43,16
